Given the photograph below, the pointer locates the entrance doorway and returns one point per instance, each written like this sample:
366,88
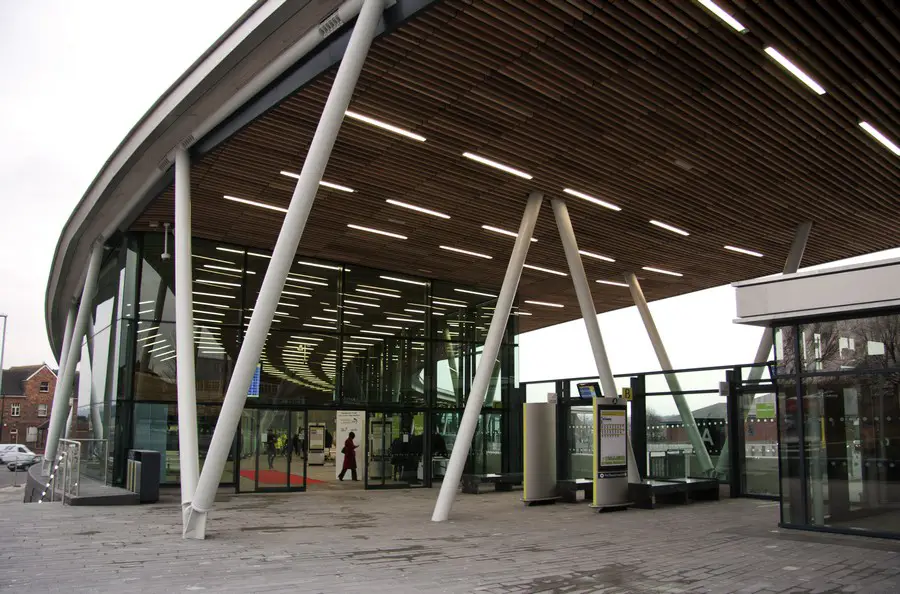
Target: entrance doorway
272,450
395,450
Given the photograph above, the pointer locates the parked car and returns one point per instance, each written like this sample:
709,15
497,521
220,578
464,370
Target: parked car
18,455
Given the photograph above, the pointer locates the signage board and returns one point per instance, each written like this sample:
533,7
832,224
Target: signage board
613,438
253,391
589,390
627,394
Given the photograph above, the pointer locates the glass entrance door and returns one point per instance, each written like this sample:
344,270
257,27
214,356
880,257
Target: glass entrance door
395,450
273,456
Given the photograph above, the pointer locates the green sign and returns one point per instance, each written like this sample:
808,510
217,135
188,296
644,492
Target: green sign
765,411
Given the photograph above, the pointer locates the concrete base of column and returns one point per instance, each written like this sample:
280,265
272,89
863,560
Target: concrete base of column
194,523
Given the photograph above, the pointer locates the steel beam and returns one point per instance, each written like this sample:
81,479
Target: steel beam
282,257
483,372
589,315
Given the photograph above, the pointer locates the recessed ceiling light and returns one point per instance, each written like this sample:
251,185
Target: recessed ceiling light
324,184
219,305
793,69
470,292
377,332
318,326
384,126
595,256
377,231
404,280
383,294
362,303
204,258
880,137
544,303
386,326
148,329
427,211
317,265
521,313
661,271
448,304
230,250
322,319
415,311
613,283
503,231
496,165
294,294
590,198
466,252
255,203
393,319
214,267
724,16
671,228
743,251
547,270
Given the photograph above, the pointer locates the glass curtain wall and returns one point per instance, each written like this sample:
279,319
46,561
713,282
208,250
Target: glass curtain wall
343,337
839,424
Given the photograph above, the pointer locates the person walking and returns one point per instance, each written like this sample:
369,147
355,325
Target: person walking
270,449
349,452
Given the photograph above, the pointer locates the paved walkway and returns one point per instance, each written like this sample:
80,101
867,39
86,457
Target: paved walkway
384,542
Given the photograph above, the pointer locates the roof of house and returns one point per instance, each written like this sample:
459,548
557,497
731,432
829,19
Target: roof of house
14,378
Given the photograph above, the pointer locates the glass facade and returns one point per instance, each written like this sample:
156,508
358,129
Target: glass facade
399,349
839,424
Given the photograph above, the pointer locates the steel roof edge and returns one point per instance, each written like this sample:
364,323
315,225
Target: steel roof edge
173,107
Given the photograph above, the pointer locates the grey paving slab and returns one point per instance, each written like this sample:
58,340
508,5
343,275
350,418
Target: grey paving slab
341,541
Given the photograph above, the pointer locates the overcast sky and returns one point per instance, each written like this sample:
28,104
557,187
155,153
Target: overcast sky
76,76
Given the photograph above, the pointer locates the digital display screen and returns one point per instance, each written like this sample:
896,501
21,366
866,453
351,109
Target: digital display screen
591,390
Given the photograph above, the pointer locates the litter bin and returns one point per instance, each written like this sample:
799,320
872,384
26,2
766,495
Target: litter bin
143,474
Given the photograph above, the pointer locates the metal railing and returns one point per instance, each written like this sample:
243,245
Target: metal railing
67,473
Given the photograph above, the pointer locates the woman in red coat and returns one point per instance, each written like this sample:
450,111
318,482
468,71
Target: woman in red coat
349,457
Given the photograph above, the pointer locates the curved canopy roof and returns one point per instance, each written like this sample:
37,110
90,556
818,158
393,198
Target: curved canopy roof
658,108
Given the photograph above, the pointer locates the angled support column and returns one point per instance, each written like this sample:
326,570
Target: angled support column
93,411
687,416
589,315
188,451
280,264
63,353
767,340
59,412
485,368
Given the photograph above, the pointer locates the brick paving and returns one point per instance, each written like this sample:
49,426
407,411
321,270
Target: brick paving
383,541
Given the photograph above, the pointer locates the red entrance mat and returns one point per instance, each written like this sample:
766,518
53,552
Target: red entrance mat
277,477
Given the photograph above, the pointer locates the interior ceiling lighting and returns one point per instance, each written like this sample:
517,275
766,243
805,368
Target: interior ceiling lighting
146,311
496,165
448,304
470,292
295,294
214,295
544,303
547,270
173,356
415,311
613,283
724,16
353,313
427,211
214,267
521,313
148,329
731,248
322,319
661,271
384,126
596,256
376,231
503,232
324,184
363,303
590,198
404,280
668,227
204,258
318,326
793,69
255,203
230,250
387,326
393,319
219,305
218,283
880,137
317,265
377,332
466,252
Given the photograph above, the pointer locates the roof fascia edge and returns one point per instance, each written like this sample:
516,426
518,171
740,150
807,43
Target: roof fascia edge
156,116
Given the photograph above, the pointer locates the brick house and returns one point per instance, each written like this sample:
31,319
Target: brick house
26,398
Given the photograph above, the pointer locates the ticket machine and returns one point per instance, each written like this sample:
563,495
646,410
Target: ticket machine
610,448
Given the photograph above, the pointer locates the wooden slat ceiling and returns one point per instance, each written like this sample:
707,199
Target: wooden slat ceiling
655,106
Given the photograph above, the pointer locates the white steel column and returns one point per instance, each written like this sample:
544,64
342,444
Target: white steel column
767,340
93,411
63,353
496,331
589,315
282,257
684,410
59,412
188,452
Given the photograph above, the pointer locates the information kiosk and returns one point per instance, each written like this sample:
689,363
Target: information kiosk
316,445
610,449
